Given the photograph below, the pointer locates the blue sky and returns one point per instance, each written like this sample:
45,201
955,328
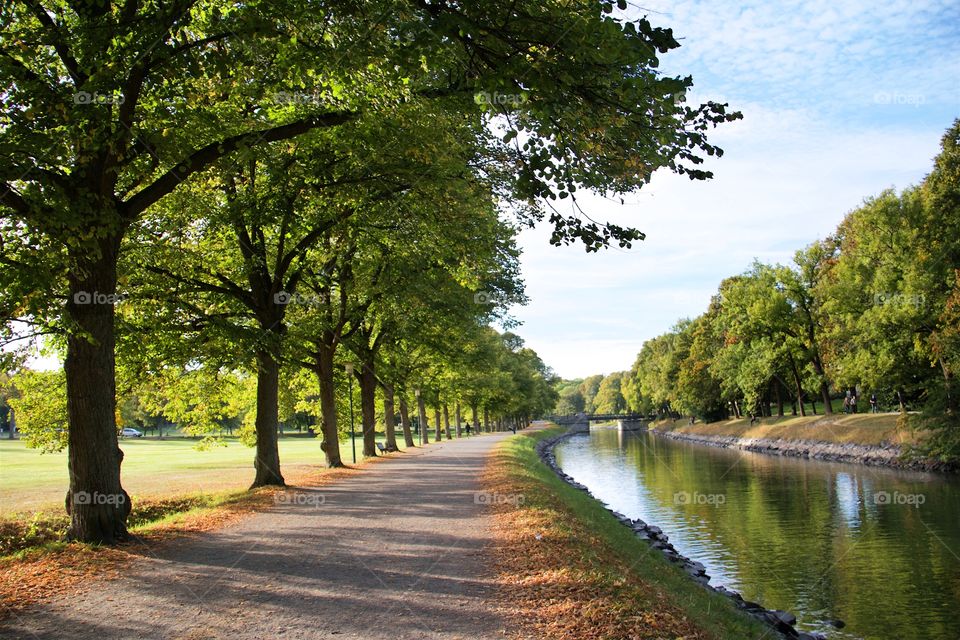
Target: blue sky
840,101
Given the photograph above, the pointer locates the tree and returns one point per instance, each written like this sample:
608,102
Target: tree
39,402
588,389
571,399
608,398
112,106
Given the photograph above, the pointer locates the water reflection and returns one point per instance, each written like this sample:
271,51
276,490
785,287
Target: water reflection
876,548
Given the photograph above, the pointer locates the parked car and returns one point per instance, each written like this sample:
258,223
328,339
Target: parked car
128,432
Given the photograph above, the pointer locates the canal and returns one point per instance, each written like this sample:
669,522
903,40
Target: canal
876,548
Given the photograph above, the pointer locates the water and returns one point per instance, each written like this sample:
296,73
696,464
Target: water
876,548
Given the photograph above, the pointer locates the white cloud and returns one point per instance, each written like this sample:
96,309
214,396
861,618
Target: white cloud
787,179
841,100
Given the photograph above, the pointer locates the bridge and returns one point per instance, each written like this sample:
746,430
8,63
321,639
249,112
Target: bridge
625,421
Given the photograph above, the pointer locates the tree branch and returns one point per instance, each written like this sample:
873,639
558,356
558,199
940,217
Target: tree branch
204,157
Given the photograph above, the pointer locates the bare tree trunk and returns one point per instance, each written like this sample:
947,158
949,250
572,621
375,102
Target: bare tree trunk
388,417
476,418
951,403
436,417
446,421
405,422
457,418
97,504
328,405
422,415
825,394
799,382
267,460
486,419
368,408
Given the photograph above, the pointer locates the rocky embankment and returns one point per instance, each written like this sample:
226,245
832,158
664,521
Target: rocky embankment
887,455
782,622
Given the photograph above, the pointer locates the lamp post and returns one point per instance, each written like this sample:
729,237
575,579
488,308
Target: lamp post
353,436
416,392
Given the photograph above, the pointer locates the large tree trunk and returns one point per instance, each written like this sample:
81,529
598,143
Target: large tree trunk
388,417
97,504
486,419
328,405
457,418
405,422
446,421
368,408
267,460
436,416
476,418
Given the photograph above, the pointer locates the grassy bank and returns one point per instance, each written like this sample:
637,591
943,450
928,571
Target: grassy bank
862,428
567,569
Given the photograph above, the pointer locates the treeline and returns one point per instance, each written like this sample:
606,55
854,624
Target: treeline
872,310
594,394
194,196
502,386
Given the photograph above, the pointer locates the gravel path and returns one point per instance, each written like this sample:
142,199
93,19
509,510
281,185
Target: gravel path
392,552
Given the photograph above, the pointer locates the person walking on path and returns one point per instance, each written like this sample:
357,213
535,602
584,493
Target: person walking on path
873,403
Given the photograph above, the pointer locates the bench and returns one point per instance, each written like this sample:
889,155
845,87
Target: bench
384,449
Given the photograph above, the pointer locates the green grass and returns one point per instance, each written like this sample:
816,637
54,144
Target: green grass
860,428
543,489
31,481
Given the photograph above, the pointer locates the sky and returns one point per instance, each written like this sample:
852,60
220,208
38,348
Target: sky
841,100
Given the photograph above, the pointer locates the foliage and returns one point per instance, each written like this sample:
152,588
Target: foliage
40,409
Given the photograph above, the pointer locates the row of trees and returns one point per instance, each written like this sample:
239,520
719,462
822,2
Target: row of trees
872,309
192,188
501,384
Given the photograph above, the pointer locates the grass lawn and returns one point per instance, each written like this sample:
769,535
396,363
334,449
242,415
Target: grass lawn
861,428
31,481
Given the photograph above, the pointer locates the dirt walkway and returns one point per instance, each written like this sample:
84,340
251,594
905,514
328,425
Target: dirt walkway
393,552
